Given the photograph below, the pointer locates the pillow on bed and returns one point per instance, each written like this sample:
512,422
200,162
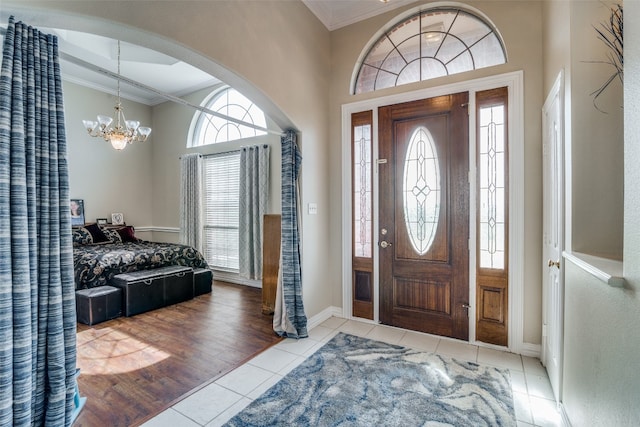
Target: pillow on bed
112,235
127,234
96,234
81,236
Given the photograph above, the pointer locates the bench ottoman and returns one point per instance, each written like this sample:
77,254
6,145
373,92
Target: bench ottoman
98,304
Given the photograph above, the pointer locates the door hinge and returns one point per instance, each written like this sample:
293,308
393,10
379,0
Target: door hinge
544,330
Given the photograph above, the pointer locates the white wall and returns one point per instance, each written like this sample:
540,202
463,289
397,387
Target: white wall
601,380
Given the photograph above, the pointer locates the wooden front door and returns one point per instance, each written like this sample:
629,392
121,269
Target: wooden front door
424,215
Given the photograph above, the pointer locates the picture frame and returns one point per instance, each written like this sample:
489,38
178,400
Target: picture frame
117,218
101,221
76,207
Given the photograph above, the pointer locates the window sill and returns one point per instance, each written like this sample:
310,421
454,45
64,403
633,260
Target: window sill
607,270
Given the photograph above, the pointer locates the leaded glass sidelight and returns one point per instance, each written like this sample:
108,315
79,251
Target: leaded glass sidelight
491,165
431,43
362,191
421,190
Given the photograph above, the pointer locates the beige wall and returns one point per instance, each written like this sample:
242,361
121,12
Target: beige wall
107,180
276,53
521,27
597,139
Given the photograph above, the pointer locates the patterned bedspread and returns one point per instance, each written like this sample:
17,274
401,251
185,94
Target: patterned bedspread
95,265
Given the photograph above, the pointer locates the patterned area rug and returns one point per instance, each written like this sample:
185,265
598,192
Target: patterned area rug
354,381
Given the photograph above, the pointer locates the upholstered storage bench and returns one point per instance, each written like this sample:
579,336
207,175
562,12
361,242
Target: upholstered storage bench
98,304
202,279
147,290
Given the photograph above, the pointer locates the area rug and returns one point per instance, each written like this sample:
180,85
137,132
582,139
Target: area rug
354,381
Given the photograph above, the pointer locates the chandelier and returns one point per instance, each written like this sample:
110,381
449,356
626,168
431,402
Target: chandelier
123,131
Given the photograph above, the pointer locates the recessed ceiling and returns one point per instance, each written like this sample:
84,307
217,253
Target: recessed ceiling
166,74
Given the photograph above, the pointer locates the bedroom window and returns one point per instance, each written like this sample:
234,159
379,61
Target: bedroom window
209,129
428,44
221,207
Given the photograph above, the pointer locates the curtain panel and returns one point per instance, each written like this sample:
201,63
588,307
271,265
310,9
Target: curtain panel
191,221
289,319
254,194
37,295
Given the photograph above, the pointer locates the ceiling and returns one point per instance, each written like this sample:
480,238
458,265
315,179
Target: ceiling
166,74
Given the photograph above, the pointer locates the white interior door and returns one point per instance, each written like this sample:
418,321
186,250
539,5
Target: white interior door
553,235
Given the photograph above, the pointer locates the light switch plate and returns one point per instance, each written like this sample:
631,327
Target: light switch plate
313,208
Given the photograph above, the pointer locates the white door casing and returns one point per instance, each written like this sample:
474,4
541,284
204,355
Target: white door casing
553,234
515,83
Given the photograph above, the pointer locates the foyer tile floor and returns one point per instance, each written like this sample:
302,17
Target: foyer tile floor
216,403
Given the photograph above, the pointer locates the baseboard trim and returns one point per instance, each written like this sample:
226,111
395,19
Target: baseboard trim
530,350
225,276
325,314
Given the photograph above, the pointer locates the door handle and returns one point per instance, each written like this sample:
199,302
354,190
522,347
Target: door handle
384,244
554,263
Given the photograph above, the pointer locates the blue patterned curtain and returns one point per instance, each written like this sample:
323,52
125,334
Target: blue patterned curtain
289,319
37,298
254,194
191,200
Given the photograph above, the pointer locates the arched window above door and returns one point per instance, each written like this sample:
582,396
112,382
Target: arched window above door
430,43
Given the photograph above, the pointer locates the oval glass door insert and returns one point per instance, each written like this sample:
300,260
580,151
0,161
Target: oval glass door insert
421,190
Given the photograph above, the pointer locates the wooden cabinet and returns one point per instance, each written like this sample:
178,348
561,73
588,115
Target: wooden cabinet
270,261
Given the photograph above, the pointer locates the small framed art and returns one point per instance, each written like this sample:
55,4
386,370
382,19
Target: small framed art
77,211
101,221
117,219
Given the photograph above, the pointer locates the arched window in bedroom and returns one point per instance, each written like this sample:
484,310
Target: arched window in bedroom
431,43
210,129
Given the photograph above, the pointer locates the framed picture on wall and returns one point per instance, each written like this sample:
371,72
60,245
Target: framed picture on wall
77,211
117,219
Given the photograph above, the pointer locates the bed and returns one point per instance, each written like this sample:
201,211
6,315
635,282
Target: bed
101,253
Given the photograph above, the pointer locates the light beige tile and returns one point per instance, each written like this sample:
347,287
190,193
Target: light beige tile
523,424
206,404
355,327
458,350
318,346
499,359
545,412
518,382
232,411
419,341
539,386
170,418
522,407
298,347
244,379
264,386
533,366
273,359
333,322
291,366
386,334
320,332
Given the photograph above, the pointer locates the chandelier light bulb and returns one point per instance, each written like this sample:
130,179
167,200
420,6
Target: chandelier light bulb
124,132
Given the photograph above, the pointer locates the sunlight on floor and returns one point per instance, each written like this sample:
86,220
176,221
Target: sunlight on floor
115,353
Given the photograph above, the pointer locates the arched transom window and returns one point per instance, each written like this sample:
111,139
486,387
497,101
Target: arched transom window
429,44
234,109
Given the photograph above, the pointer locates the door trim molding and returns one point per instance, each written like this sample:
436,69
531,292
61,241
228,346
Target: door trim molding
515,82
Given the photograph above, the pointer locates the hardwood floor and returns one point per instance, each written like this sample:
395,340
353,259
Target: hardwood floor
132,368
